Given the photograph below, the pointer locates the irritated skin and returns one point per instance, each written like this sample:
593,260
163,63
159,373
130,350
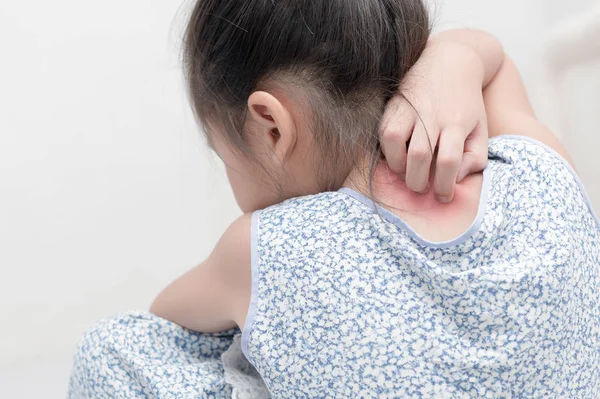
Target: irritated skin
424,213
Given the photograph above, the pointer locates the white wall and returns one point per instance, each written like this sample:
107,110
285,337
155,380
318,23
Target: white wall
106,191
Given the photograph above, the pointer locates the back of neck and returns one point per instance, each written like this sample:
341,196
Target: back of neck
431,219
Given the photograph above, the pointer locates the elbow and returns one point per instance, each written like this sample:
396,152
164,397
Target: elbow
158,308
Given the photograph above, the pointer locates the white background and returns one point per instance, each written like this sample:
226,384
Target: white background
106,190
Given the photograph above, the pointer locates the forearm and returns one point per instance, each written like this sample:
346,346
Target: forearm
509,110
194,301
486,48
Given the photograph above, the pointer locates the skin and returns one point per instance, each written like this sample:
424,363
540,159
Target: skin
445,87
215,295
281,141
432,220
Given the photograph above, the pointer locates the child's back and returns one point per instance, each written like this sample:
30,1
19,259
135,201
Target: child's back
336,296
339,298
348,303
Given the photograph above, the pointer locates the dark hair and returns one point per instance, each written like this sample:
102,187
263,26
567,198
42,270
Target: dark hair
349,56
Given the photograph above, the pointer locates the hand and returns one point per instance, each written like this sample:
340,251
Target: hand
439,122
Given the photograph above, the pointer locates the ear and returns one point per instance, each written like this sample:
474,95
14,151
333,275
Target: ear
276,127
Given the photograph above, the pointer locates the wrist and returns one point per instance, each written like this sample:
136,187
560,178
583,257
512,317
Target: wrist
467,61
484,46
457,59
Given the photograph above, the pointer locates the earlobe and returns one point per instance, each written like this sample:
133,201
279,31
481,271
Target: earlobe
275,123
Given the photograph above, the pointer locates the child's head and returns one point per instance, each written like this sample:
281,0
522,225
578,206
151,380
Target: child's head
291,92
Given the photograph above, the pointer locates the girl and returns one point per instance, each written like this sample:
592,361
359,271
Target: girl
344,281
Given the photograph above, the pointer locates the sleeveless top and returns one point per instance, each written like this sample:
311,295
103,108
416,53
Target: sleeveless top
349,302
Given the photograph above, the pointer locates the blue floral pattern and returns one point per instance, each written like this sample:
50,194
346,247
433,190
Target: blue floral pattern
349,303
139,355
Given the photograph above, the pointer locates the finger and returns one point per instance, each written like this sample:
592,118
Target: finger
420,154
449,159
394,143
396,128
475,156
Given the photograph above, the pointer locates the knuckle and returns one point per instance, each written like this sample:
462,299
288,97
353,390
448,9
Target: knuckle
479,158
397,167
397,102
481,163
391,135
482,156
447,161
459,119
456,131
420,155
482,160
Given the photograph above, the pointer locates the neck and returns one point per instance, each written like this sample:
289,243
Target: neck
391,192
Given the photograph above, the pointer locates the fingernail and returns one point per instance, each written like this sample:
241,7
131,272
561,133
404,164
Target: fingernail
461,176
445,200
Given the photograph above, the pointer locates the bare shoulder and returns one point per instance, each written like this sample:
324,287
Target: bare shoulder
235,242
213,296
232,258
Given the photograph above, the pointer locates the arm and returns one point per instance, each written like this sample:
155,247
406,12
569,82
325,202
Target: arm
209,297
507,105
509,110
441,105
487,49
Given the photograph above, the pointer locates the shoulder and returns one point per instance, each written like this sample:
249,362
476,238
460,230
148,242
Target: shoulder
232,260
316,217
302,211
543,172
236,253
233,249
235,246
532,155
236,239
